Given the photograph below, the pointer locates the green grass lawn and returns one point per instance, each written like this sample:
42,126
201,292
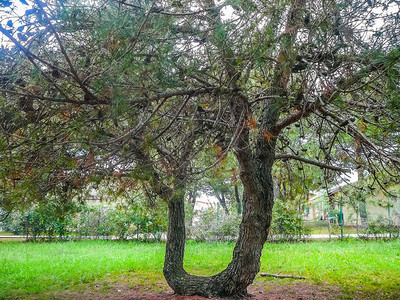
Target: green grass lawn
370,267
37,268
334,230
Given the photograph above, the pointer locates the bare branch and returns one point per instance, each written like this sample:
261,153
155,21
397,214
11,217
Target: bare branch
4,216
353,131
312,162
59,100
160,10
31,55
183,92
75,75
281,276
173,119
296,115
364,105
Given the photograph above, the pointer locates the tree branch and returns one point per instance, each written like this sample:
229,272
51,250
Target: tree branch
160,10
158,96
364,105
295,116
31,57
4,215
312,162
173,119
74,73
183,92
355,133
58,100
281,276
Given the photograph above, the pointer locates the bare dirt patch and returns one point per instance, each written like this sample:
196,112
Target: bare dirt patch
260,291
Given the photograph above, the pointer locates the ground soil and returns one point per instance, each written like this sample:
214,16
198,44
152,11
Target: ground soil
267,290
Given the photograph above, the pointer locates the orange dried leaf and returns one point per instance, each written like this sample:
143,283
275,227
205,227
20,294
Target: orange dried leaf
269,136
252,123
362,127
217,148
28,168
221,156
90,159
121,190
234,176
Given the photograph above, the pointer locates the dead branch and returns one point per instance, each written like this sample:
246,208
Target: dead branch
281,276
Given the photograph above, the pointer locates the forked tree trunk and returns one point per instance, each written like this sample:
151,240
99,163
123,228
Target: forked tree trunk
257,213
255,158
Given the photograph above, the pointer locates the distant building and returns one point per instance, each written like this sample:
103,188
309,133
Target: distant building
325,205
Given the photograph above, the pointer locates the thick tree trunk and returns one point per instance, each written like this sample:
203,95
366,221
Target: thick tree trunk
255,172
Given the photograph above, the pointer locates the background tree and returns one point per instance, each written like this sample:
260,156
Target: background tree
140,88
221,181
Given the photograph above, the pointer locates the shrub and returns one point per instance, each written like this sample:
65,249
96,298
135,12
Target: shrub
37,221
94,221
107,220
381,226
209,225
101,221
287,224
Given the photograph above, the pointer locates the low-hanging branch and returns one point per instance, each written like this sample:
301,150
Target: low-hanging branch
295,116
311,162
182,92
160,10
58,100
